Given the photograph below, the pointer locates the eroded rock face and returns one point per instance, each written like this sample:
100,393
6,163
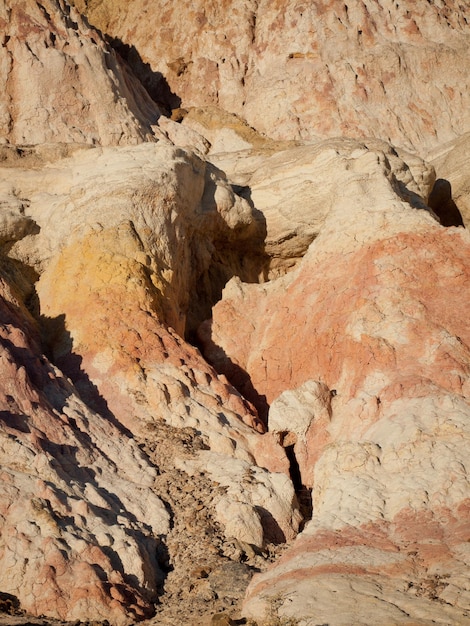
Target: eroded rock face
370,385
295,187
391,188
63,83
80,521
133,472
294,70
106,245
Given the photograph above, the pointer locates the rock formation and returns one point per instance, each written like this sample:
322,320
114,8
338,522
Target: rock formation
234,336
116,245
302,70
80,522
63,83
370,387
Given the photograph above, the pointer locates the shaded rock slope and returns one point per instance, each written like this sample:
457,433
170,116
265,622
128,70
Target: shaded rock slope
234,359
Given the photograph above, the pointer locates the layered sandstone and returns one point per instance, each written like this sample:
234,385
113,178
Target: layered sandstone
294,189
302,70
369,384
80,521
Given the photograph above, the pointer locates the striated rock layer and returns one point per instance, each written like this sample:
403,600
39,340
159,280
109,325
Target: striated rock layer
80,522
139,477
302,70
363,354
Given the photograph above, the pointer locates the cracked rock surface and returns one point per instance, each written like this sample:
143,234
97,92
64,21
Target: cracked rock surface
307,70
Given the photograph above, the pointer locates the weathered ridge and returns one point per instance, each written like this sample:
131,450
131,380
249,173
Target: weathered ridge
234,336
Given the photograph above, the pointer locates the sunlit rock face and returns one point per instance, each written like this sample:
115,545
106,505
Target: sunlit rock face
362,354
302,70
233,309
62,82
102,249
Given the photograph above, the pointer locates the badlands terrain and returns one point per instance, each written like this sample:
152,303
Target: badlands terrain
234,330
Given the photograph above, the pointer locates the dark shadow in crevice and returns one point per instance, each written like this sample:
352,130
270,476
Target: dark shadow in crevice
242,382
273,533
236,375
245,258
9,604
294,469
304,494
58,348
443,205
411,197
233,253
15,421
153,82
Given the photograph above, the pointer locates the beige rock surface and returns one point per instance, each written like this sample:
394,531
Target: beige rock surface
365,364
62,82
299,70
295,187
136,479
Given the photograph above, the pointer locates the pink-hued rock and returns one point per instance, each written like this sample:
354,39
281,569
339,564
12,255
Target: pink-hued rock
78,516
62,82
363,353
412,569
133,471
363,206
294,188
302,70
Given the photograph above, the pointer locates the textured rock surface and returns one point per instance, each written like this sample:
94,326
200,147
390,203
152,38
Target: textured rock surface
106,245
394,70
382,435
80,522
63,83
361,208
138,480
295,188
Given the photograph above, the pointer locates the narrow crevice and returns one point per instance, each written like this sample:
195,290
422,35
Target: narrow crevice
443,205
304,494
